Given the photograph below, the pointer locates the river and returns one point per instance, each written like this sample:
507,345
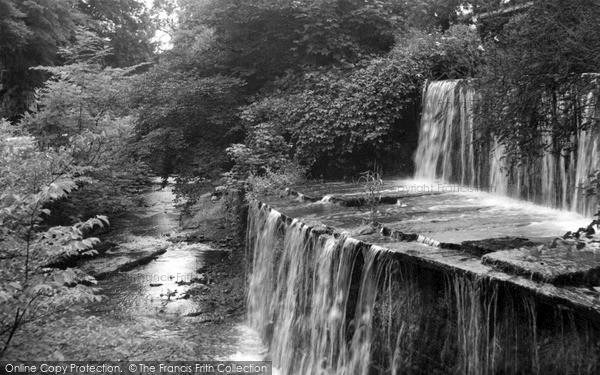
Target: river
163,310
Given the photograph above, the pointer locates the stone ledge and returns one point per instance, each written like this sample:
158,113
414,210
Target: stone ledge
482,247
103,267
558,266
582,300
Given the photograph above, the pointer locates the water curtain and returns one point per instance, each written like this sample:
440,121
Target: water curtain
329,304
448,151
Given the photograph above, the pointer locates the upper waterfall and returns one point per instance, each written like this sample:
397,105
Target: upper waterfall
445,149
448,151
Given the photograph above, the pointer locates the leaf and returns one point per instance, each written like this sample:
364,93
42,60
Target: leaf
103,218
41,288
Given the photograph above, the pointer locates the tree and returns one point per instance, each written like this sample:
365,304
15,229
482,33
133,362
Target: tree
432,14
185,120
128,26
534,78
30,179
83,99
260,40
315,70
31,34
226,53
339,123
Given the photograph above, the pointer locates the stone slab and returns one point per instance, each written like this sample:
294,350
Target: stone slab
109,264
449,218
490,245
557,266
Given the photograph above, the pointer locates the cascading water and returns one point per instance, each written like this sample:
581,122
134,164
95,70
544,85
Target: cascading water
446,126
332,305
298,297
446,152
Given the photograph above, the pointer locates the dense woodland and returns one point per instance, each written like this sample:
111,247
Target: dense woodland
256,92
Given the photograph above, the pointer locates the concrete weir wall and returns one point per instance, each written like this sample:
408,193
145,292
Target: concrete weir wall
328,303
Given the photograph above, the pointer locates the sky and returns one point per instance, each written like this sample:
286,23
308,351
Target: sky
161,37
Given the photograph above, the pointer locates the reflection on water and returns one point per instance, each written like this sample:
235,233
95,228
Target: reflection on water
170,287
162,285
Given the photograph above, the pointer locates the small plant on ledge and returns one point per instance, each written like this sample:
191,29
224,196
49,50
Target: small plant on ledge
371,184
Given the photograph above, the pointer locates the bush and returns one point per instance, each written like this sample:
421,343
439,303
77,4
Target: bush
264,150
341,121
534,78
30,179
83,106
276,181
262,164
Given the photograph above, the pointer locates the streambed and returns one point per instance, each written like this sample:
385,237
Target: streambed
162,310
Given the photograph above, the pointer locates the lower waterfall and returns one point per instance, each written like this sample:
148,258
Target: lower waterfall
328,304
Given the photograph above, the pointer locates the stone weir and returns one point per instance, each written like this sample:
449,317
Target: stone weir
446,282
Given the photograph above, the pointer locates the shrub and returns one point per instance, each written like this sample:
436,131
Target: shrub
534,78
341,121
30,179
276,181
264,150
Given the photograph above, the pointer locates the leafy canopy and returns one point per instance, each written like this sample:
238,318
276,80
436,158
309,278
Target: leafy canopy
534,81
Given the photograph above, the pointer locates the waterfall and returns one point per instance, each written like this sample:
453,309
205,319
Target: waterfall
446,123
446,152
332,305
328,304
299,295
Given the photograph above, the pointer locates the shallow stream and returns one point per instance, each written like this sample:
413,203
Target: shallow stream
160,295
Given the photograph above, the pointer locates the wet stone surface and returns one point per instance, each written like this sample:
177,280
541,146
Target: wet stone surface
561,266
164,285
482,247
170,288
457,226
446,217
